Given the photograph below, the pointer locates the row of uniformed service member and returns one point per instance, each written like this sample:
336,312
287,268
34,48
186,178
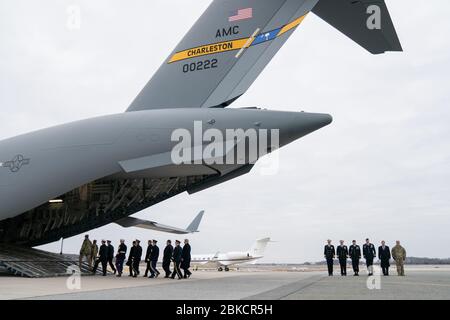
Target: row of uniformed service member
179,256
398,253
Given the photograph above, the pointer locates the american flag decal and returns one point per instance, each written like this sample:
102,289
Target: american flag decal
242,14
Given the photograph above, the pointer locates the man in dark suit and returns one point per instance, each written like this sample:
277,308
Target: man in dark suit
137,258
131,258
103,258
369,254
167,258
111,256
355,254
154,260
342,253
148,253
186,259
120,257
329,254
176,258
384,254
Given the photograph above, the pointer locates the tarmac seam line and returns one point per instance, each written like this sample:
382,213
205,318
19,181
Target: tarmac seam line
268,294
171,283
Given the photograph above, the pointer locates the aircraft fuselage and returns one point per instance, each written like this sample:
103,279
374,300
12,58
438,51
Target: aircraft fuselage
68,179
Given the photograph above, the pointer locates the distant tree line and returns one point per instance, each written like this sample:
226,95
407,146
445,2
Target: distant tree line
416,260
409,260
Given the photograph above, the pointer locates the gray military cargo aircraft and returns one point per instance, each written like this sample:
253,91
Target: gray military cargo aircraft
65,180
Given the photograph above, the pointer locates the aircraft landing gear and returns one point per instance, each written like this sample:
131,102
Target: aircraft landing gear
220,269
227,269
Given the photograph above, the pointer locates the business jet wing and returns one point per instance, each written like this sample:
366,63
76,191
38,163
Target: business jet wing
204,259
152,225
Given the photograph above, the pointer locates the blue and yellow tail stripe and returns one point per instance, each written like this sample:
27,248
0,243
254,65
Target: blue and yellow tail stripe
238,44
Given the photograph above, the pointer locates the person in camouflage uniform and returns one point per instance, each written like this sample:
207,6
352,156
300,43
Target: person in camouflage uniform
399,255
86,251
94,252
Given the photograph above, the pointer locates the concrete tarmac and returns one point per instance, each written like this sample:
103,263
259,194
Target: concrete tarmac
420,283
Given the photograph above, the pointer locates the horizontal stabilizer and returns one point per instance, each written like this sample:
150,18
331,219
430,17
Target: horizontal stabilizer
367,22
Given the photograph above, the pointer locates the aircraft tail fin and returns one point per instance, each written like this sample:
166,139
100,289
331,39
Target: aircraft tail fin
367,22
222,54
234,40
193,226
258,248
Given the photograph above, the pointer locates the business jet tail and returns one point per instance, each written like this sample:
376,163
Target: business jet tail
258,248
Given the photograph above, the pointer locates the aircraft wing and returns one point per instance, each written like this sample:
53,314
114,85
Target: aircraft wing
152,225
222,54
351,17
248,261
204,259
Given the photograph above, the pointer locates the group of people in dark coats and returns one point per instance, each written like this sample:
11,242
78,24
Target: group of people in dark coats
134,259
105,257
354,253
179,256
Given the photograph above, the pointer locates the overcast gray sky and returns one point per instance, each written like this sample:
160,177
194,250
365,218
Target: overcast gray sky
380,170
